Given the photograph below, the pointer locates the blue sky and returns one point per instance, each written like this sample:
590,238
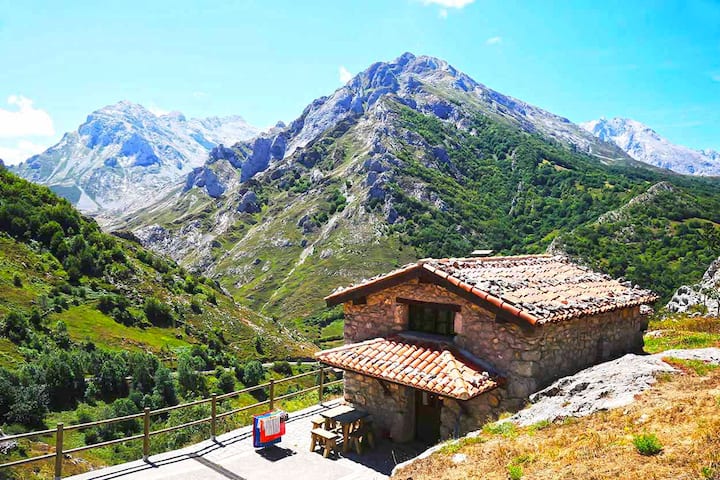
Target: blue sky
656,61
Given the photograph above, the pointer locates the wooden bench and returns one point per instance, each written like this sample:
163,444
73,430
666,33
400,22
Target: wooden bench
324,438
360,435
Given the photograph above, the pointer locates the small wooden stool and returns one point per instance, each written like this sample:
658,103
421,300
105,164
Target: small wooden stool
360,435
325,438
317,421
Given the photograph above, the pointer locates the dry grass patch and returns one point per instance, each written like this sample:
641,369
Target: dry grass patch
681,412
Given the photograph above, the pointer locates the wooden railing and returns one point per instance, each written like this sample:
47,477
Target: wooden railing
60,430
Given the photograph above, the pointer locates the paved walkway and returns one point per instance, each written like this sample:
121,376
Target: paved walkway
233,457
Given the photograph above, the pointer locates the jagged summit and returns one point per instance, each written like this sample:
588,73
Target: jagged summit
646,145
124,155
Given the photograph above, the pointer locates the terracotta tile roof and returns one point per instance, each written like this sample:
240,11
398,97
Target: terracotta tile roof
428,365
537,288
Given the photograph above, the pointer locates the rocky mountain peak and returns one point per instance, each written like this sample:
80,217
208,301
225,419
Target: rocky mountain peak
644,144
123,154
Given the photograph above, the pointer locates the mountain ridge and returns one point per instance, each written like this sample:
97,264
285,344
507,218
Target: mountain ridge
392,167
123,156
646,145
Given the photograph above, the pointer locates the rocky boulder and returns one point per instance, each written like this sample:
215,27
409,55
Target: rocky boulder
204,177
704,294
602,387
248,203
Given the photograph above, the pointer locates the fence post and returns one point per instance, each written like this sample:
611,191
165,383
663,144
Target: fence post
146,434
272,394
321,386
58,451
213,414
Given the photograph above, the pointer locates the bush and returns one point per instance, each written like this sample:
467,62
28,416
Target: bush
515,472
165,387
282,368
647,444
157,312
84,413
226,382
17,281
253,372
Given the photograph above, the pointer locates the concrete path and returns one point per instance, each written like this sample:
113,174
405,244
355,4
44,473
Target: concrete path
233,457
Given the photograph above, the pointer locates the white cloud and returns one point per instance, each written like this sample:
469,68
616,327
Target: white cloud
199,94
13,153
443,13
448,3
157,111
345,75
493,41
25,120
715,77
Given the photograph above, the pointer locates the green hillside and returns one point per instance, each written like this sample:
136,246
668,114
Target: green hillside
325,220
76,303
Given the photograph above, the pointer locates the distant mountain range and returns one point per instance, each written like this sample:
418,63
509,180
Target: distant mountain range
124,156
644,144
410,158
413,158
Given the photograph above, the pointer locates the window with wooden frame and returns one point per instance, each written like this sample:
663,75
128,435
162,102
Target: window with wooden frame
431,318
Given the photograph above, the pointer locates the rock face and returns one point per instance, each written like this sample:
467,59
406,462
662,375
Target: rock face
124,156
704,293
602,387
419,83
644,144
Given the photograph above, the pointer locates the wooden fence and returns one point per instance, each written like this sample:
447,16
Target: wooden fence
147,414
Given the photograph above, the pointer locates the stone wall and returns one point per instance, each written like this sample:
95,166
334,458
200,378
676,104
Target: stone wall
392,406
528,357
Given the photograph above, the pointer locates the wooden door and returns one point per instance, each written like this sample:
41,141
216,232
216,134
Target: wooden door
427,417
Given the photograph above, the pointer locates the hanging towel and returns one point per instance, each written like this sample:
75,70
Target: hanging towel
271,425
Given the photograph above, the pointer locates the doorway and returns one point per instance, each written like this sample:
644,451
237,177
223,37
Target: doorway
427,417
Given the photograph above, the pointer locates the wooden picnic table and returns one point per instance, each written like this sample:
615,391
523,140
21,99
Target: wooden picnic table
346,416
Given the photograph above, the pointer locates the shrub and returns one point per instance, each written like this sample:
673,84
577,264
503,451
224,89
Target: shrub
515,472
282,368
253,372
84,413
17,281
165,387
226,382
157,312
647,444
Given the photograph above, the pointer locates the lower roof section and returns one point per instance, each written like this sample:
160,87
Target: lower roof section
421,362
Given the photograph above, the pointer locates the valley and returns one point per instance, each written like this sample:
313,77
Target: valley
158,247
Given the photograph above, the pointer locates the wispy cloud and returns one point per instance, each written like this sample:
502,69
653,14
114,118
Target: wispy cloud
199,94
345,75
157,110
24,120
715,77
448,3
493,41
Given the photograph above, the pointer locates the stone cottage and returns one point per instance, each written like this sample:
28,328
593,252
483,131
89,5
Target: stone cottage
437,348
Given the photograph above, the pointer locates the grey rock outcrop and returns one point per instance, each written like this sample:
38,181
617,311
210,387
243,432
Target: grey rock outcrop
204,177
249,203
704,293
602,387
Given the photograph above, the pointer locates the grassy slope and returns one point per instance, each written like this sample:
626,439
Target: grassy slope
683,411
498,188
41,275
